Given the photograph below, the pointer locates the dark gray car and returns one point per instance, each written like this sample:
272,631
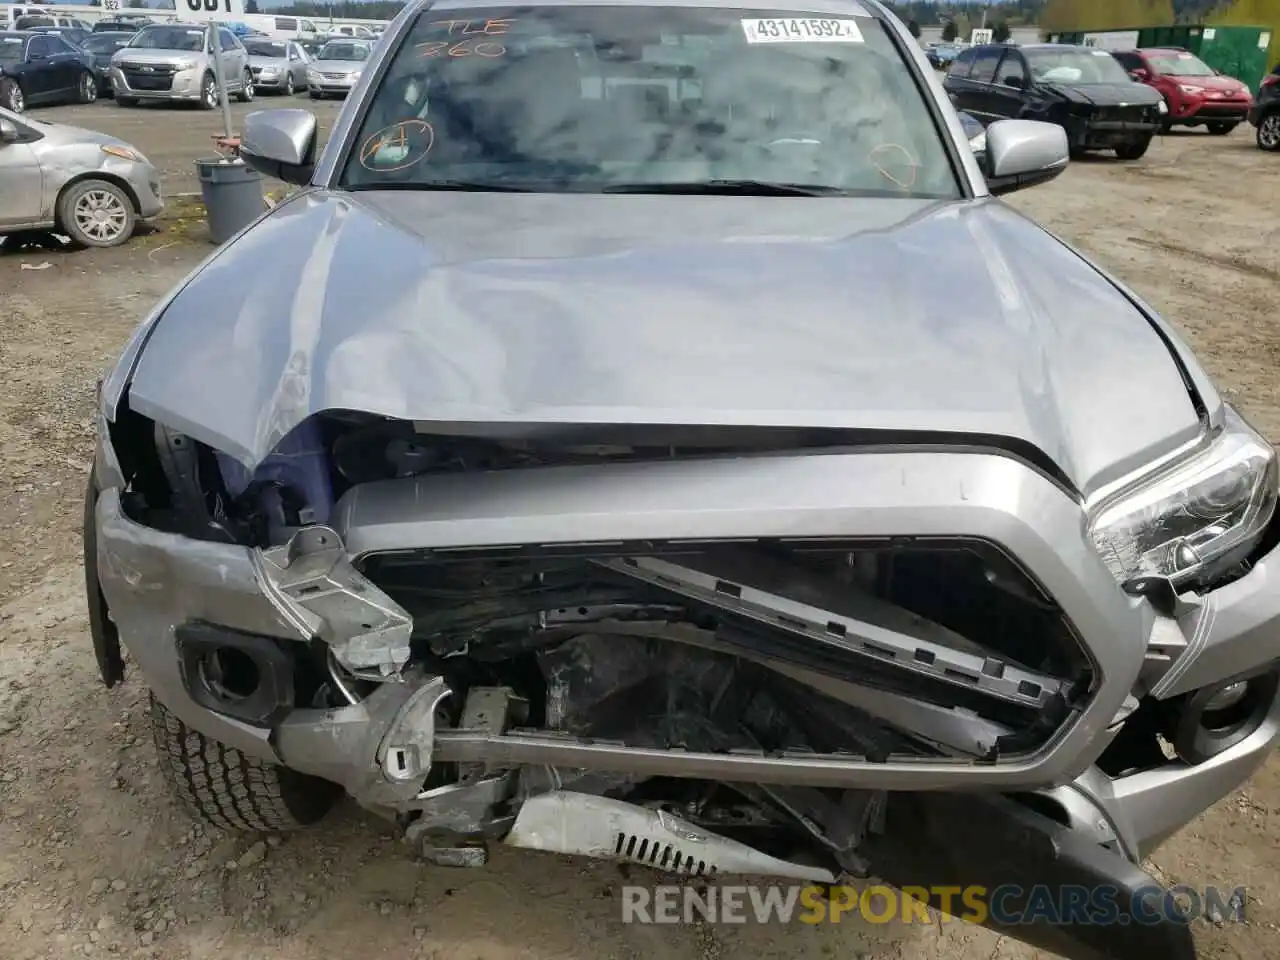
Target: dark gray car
646,436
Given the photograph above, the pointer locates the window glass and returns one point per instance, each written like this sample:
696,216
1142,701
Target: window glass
984,64
1012,73
592,99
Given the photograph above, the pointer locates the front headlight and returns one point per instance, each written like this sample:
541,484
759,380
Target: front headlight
124,153
1190,88
187,64
1194,517
1162,107
353,76
313,75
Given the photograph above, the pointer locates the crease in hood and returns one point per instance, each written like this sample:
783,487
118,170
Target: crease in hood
1107,94
523,309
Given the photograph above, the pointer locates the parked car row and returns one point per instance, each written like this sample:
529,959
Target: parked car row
170,62
1107,99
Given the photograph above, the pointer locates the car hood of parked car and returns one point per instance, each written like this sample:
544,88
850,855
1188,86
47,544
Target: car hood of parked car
1214,82
63,134
257,60
145,55
338,66
1106,94
938,321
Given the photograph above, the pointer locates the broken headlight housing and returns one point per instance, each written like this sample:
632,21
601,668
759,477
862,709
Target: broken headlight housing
1194,518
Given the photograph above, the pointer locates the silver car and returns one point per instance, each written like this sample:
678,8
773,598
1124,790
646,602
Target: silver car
337,67
676,452
174,62
278,66
92,187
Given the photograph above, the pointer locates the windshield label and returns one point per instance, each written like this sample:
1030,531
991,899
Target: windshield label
800,30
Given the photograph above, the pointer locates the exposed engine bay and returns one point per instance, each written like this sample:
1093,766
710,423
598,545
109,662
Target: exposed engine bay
639,653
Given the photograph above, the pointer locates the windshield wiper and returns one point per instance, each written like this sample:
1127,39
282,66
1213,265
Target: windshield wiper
462,186
741,188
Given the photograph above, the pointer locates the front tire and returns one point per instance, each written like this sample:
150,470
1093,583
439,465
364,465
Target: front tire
289,88
1134,149
246,88
11,96
227,789
96,213
1219,129
87,88
1269,132
209,93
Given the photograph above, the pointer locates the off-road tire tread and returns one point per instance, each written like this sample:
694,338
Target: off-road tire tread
233,791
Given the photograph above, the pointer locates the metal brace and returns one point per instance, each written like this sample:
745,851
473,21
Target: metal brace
315,587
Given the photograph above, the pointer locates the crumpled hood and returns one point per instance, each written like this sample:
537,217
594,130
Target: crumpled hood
1108,94
519,308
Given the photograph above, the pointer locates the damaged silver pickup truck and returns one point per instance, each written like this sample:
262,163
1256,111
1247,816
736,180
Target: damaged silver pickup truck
647,437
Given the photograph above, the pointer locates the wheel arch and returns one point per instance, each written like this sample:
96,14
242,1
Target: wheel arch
114,179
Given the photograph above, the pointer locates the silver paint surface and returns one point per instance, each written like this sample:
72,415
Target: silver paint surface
492,308
63,154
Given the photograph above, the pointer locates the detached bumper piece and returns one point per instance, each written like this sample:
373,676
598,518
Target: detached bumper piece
1040,882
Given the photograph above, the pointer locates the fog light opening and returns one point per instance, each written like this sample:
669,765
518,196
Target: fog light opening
230,674
1217,718
1218,710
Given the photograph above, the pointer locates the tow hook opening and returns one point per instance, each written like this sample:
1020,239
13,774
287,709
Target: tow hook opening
230,673
239,675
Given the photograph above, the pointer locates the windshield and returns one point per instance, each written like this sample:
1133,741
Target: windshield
650,99
344,50
168,38
103,43
1075,65
264,48
1180,65
11,48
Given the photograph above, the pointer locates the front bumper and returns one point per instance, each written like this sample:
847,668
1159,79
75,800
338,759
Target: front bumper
144,180
1087,133
183,86
1192,112
159,586
330,86
269,83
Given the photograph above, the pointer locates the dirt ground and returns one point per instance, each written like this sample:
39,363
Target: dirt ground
96,859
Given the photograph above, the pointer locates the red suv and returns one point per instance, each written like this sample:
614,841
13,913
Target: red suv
1194,91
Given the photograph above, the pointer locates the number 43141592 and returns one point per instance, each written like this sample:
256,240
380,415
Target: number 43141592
210,6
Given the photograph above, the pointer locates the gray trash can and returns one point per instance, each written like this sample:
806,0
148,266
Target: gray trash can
232,194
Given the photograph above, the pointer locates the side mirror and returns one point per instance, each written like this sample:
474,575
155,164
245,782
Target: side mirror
8,130
1017,83
1024,153
281,143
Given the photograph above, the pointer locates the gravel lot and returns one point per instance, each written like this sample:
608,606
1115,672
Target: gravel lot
95,859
